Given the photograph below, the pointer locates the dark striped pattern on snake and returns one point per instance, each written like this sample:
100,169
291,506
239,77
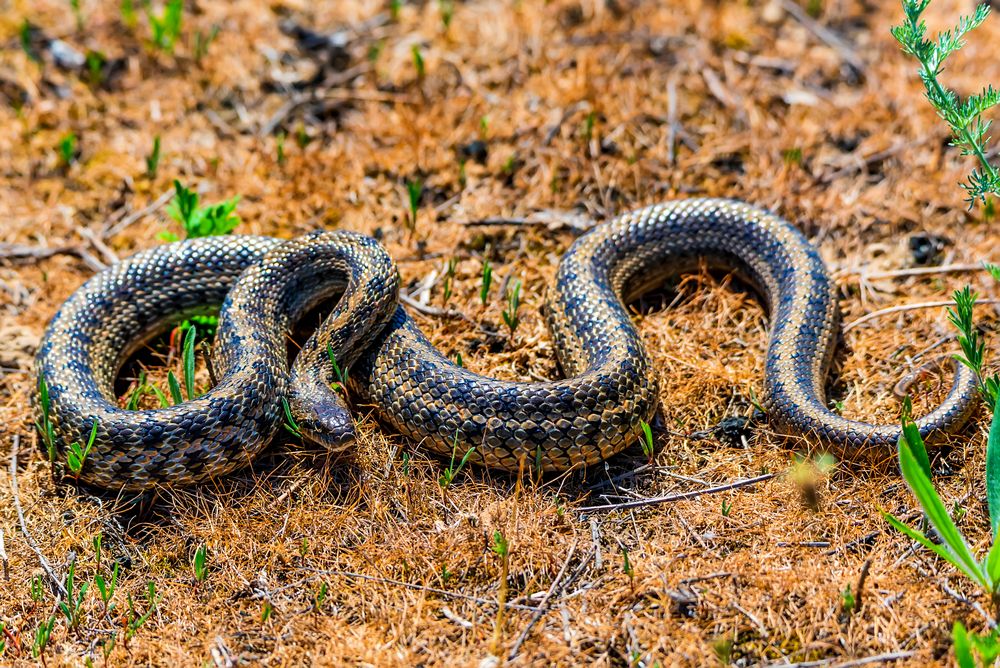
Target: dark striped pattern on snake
596,411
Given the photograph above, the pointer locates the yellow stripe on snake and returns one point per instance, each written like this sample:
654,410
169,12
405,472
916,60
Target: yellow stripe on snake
265,285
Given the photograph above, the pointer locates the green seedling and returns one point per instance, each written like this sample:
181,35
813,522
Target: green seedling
414,192
290,424
127,9
451,472
418,61
202,42
106,588
72,605
199,564
447,9
42,635
45,427
68,149
448,283
646,441
153,159
166,27
953,548
484,290
201,221
339,385
513,303
76,455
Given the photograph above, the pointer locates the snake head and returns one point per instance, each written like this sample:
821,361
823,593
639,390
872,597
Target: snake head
323,418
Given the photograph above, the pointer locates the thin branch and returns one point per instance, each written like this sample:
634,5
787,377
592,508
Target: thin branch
554,590
906,307
428,310
136,215
844,49
679,497
25,252
919,271
54,582
3,558
865,661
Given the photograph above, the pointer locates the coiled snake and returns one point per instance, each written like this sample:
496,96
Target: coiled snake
265,284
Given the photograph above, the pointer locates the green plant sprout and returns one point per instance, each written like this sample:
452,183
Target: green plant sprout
484,290
339,385
166,28
76,455
200,221
72,606
451,472
68,149
513,303
418,61
199,565
106,588
127,9
964,117
202,42
291,426
447,9
45,427
153,159
449,280
414,191
646,442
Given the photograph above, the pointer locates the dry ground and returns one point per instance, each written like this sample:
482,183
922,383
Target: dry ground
584,107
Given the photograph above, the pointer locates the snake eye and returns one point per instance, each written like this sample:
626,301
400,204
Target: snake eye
324,420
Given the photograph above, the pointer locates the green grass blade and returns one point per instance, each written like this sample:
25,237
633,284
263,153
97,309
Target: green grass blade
938,514
175,388
912,435
993,472
924,541
962,647
189,362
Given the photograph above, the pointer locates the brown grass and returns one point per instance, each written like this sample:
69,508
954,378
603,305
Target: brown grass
410,575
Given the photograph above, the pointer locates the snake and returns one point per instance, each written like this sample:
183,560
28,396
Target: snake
607,396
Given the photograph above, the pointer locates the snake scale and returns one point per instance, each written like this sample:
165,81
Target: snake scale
265,285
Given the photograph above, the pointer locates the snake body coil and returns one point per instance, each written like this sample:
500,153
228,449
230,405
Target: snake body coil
592,414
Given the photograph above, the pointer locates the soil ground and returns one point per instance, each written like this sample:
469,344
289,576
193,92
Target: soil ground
555,114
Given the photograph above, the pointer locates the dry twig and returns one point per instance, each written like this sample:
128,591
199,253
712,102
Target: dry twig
54,582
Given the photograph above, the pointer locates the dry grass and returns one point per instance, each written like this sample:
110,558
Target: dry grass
689,97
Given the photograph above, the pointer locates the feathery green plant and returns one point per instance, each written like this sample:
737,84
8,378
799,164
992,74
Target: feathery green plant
964,117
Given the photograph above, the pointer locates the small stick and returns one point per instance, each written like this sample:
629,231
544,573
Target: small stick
906,307
826,35
428,310
919,271
136,215
54,582
110,257
860,589
679,497
877,658
543,606
3,558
